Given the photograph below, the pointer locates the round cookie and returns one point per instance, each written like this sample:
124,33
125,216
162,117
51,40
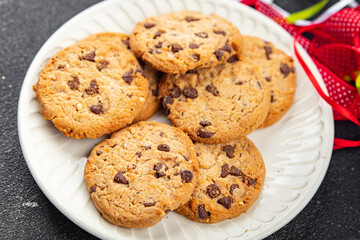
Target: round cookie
217,104
180,41
91,88
152,102
230,180
141,173
278,70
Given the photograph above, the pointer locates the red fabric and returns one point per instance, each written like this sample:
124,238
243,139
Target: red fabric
335,50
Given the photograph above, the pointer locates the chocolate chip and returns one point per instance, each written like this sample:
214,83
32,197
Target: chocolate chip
61,67
202,213
158,33
186,158
149,25
139,154
191,19
195,56
93,189
251,181
201,34
102,64
149,204
193,46
268,78
158,45
161,134
128,76
126,43
233,58
211,88
175,92
229,150
285,69
176,47
293,70
99,152
93,88
272,98
190,92
120,178
167,100
238,83
233,187
167,210
74,83
203,133
219,54
205,123
139,70
268,51
220,32
114,145
155,92
226,201
213,191
158,172
235,171
151,51
259,85
224,170
146,147
187,176
164,148
90,56
97,109
226,48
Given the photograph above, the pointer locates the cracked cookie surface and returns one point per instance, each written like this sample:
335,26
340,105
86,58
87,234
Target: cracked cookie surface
141,173
278,70
152,103
180,41
91,88
230,180
217,104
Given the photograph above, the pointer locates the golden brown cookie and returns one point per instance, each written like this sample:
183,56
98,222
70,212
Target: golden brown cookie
141,173
230,180
152,102
278,70
180,41
91,88
217,104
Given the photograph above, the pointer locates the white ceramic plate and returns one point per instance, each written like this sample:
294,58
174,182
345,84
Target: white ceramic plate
296,150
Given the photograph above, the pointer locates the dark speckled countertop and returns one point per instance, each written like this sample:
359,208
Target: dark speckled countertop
25,212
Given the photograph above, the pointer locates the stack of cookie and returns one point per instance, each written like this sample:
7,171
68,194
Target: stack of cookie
216,87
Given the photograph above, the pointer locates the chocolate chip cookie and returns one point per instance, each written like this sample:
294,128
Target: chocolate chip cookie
91,88
230,180
152,102
180,41
141,173
278,70
217,104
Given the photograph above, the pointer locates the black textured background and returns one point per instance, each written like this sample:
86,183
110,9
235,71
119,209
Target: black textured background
25,212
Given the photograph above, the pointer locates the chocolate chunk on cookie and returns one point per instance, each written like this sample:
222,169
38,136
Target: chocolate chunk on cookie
138,192
185,40
226,187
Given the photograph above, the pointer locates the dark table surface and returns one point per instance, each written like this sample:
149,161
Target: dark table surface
25,212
